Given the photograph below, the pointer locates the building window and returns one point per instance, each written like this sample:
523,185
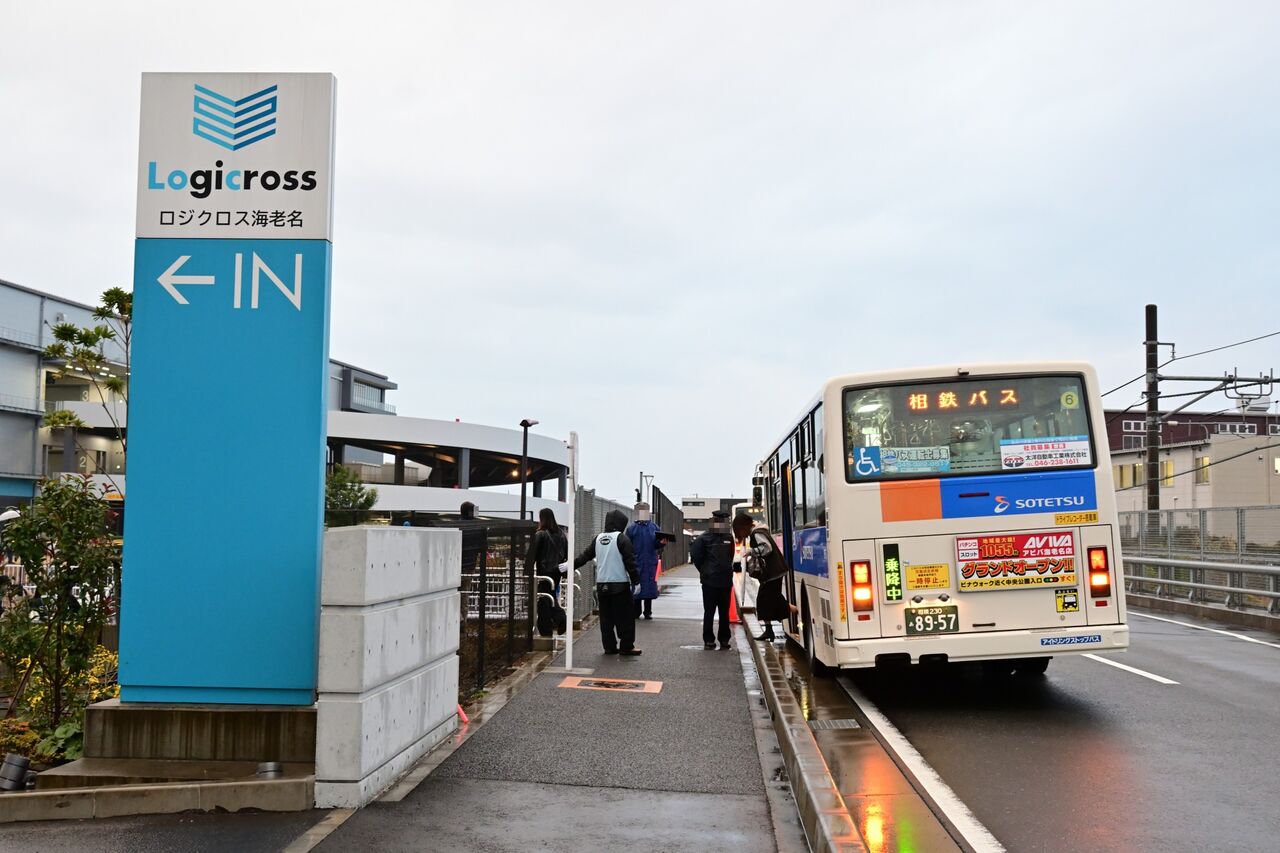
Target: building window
1273,429
1135,442
693,503
1166,473
1139,474
1202,470
1124,476
366,395
1132,426
1238,429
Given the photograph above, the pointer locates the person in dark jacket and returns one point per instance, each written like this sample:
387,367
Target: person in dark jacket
765,564
647,542
547,550
712,553
616,574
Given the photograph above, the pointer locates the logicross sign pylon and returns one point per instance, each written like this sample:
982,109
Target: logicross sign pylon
225,490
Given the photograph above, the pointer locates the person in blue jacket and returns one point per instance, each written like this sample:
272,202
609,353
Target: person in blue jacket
645,538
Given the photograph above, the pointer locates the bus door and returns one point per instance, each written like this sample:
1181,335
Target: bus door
788,542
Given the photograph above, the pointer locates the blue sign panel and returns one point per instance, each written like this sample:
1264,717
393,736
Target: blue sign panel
1018,494
225,500
810,552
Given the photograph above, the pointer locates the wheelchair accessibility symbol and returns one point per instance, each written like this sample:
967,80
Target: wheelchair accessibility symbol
866,462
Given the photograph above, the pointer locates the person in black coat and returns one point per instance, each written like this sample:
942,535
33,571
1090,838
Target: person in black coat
765,564
712,553
547,550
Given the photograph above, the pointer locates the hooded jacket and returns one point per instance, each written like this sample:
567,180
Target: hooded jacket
614,522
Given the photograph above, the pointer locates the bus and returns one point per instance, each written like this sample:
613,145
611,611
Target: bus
950,514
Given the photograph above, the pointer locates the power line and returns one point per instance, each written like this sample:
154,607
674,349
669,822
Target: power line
1227,346
1193,355
1125,385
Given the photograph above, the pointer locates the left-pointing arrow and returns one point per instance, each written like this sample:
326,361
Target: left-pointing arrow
169,278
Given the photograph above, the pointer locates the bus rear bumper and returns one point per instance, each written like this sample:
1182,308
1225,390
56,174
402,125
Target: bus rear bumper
986,645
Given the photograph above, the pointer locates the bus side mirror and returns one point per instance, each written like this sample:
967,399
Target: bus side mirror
757,496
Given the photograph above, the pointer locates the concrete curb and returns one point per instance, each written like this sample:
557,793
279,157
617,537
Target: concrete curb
823,813
1242,618
267,795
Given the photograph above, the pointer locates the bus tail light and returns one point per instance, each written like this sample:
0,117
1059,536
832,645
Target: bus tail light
1099,573
863,598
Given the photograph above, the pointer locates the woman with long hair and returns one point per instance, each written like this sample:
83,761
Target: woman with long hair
765,563
547,550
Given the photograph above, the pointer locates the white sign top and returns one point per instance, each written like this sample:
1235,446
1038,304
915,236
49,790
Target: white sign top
243,156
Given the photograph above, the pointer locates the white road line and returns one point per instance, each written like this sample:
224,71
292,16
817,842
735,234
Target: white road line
310,839
1203,628
952,809
1133,669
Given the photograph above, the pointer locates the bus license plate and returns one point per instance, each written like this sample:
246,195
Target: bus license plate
932,620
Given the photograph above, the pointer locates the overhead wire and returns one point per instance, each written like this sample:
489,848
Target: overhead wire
1193,355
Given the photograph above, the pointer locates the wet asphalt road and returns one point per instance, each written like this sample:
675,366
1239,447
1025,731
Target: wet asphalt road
1095,758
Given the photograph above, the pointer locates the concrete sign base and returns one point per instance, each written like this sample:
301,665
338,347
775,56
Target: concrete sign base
388,679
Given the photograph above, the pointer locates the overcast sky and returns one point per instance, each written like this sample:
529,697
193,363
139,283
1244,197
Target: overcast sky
663,225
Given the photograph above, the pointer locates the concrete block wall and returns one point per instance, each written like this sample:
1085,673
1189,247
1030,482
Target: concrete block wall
388,678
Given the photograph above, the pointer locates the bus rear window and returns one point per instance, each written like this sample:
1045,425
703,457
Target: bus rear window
966,426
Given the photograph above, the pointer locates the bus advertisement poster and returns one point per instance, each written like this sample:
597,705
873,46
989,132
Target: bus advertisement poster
1016,561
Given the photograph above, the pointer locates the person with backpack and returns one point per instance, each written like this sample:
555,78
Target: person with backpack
764,563
712,554
547,550
616,575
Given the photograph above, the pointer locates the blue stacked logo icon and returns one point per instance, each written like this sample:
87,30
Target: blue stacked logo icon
234,124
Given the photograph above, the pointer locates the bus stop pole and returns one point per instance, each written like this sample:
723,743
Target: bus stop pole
571,496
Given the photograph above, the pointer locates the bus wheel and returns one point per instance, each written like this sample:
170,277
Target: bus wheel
817,668
1033,666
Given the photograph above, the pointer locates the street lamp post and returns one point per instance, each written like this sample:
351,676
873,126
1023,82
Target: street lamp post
524,461
1204,427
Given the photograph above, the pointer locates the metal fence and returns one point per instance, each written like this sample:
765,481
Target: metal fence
1224,556
1238,534
670,519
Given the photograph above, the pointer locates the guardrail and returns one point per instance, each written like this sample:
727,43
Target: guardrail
1233,585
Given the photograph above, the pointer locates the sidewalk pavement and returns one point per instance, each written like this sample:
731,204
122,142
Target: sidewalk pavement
580,769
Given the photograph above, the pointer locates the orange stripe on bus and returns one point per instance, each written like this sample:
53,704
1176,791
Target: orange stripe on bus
911,500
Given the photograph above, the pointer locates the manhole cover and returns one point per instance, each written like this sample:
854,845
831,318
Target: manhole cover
624,685
827,725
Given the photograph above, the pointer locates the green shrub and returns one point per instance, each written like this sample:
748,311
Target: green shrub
18,736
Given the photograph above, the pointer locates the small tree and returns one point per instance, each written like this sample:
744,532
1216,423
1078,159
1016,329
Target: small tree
80,351
343,490
63,540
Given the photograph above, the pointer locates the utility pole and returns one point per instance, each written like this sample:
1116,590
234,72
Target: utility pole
1153,422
